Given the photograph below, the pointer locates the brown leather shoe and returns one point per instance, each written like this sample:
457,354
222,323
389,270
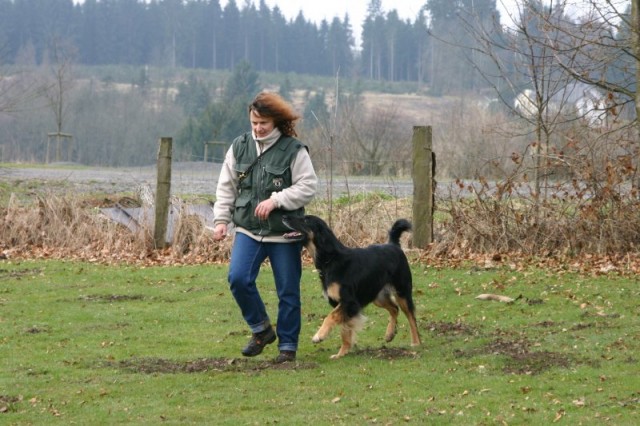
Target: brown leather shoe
259,341
285,356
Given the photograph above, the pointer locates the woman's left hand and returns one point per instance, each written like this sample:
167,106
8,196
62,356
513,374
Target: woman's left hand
264,209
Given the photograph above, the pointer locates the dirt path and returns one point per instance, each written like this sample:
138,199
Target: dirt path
186,178
195,178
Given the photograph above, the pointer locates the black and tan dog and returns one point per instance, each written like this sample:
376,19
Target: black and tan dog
352,278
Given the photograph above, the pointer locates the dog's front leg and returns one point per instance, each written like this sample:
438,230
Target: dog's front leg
348,335
349,329
334,318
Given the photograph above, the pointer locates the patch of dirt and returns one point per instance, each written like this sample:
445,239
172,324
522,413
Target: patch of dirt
7,401
532,363
203,365
449,328
36,330
520,359
582,326
5,273
386,353
108,298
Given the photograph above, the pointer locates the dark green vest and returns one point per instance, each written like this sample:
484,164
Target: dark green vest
272,173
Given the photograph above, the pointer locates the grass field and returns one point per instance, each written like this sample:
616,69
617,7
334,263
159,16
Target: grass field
84,343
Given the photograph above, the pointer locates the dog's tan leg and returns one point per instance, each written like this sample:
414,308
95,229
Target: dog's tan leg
387,303
415,336
348,335
331,320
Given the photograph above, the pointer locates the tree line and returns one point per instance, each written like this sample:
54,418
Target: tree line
202,34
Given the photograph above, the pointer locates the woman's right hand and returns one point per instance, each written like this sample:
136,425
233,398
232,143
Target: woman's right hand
219,232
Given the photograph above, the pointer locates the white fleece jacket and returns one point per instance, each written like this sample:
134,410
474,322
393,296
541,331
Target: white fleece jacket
299,194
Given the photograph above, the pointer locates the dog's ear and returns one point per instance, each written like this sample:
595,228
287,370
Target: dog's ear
322,235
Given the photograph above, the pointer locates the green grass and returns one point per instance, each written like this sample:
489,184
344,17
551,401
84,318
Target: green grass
90,344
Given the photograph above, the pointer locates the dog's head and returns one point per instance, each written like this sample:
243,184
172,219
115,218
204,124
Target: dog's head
310,230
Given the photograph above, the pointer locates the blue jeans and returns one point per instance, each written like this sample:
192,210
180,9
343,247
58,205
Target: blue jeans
247,255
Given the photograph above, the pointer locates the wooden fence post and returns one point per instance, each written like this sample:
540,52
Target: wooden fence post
422,174
163,192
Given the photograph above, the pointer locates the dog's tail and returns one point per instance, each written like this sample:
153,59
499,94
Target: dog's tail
400,226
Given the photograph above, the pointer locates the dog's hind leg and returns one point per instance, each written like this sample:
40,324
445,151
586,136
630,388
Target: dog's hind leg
385,301
407,307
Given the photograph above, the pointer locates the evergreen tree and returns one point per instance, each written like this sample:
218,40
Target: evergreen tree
339,46
193,96
373,41
316,112
285,89
222,120
238,93
232,40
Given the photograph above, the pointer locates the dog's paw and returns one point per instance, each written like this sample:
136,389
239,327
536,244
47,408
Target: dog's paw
316,338
336,356
390,336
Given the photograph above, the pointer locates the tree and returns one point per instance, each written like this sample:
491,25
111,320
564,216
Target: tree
603,51
373,41
193,96
59,61
225,118
315,111
449,71
19,89
339,44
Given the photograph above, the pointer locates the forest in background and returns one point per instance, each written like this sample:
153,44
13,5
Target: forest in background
201,34
472,69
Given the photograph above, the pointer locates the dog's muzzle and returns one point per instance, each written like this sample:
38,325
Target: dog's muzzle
294,234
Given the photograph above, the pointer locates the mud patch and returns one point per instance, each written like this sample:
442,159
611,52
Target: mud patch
7,402
7,274
108,298
387,353
36,330
519,358
450,328
582,326
204,365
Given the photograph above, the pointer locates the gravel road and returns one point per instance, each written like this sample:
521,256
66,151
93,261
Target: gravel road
197,178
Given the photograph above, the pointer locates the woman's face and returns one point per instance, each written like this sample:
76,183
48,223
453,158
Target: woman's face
261,126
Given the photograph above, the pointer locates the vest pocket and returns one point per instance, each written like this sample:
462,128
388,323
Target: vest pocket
243,214
276,178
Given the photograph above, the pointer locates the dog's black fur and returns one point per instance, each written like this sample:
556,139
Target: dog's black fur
352,278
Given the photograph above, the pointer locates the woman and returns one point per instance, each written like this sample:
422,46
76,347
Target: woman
266,172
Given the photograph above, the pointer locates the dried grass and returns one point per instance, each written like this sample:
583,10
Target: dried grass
68,226
498,218
569,221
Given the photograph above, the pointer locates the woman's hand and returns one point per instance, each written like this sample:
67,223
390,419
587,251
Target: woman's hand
264,209
219,232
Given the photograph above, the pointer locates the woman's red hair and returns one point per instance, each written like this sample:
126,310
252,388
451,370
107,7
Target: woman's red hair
271,105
